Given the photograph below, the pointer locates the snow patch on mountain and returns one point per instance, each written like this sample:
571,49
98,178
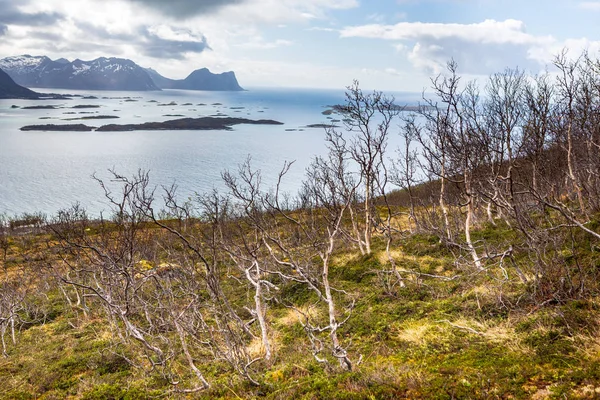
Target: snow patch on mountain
99,74
22,64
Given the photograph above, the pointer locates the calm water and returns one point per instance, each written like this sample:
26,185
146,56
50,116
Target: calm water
48,171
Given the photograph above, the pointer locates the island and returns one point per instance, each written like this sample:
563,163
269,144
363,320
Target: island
182,124
59,128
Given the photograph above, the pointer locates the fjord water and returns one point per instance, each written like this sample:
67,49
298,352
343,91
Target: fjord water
49,171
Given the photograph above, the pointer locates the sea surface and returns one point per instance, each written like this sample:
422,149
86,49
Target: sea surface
49,171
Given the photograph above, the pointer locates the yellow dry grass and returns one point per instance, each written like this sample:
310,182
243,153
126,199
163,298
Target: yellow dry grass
255,348
294,316
415,332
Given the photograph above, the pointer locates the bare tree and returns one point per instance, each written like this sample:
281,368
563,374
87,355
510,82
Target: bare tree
433,138
450,141
405,172
113,263
368,122
4,237
295,237
245,241
211,322
568,85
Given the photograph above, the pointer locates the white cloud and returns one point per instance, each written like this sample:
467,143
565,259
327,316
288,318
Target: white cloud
321,29
282,11
393,71
479,48
123,27
400,47
376,17
488,31
260,43
590,5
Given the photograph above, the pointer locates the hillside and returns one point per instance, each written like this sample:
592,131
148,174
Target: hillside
455,336
10,90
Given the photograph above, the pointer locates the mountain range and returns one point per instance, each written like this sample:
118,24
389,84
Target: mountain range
106,74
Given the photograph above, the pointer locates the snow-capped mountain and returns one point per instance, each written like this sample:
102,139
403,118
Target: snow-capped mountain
99,74
23,64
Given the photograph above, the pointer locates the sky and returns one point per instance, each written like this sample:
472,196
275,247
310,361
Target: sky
387,45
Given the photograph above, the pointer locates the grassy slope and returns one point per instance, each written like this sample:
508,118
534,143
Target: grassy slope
472,337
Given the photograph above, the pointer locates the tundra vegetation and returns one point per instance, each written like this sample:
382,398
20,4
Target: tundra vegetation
464,264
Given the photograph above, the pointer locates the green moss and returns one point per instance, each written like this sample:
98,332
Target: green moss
357,269
422,245
297,293
117,392
495,234
105,392
111,363
551,347
17,395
